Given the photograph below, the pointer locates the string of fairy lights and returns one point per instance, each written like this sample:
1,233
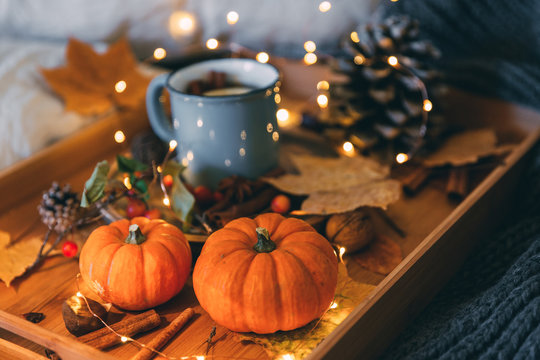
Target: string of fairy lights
128,339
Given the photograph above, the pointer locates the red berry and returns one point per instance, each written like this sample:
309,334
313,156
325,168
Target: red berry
203,194
280,204
137,174
152,214
136,207
218,196
168,180
69,249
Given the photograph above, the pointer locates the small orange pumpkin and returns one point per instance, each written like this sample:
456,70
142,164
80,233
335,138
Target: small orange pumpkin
265,274
136,264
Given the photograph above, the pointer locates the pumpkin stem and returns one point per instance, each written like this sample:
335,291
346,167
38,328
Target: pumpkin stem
135,235
264,244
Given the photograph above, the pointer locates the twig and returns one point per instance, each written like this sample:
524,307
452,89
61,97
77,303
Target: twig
209,340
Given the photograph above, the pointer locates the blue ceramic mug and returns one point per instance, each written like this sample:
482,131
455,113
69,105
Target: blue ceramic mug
232,131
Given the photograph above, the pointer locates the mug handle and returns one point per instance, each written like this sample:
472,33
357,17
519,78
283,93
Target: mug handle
156,115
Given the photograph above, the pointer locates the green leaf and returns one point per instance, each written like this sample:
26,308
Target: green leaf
140,185
129,165
94,188
182,200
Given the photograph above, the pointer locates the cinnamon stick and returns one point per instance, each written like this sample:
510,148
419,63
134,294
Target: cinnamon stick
104,338
415,180
458,183
252,206
164,336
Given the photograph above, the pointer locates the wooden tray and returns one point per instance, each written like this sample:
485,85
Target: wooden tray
440,234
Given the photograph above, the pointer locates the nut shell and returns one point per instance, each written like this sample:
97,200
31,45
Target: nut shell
78,319
353,230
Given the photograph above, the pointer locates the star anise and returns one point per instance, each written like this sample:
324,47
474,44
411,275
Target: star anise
237,189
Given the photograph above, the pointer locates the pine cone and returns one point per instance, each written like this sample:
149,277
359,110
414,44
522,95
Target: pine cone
58,207
380,101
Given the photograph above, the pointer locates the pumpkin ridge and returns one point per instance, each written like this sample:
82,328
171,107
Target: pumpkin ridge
234,251
313,282
210,241
321,248
144,290
280,302
109,265
246,297
232,225
171,255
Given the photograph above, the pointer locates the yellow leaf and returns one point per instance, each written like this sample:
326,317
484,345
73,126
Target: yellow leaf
17,257
337,185
87,81
466,148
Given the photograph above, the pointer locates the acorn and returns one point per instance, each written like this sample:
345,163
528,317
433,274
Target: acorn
353,230
77,317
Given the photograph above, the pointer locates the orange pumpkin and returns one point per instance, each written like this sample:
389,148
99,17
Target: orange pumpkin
265,274
136,264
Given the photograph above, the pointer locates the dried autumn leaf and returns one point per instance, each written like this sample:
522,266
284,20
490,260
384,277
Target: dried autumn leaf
466,148
17,257
337,185
381,256
87,81
300,342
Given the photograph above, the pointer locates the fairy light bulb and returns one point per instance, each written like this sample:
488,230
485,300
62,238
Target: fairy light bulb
359,59
310,46
282,115
310,58
79,294
212,44
402,158
262,57
166,201
232,17
124,339
119,136
172,145
322,100
323,85
354,37
334,305
277,98
428,105
181,23
392,60
348,147
120,86
160,53
127,182
325,6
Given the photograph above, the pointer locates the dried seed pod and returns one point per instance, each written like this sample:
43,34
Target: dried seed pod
353,230
78,319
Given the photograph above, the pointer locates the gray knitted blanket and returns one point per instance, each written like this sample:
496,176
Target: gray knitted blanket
491,308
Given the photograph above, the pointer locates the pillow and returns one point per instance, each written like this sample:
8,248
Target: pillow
31,117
